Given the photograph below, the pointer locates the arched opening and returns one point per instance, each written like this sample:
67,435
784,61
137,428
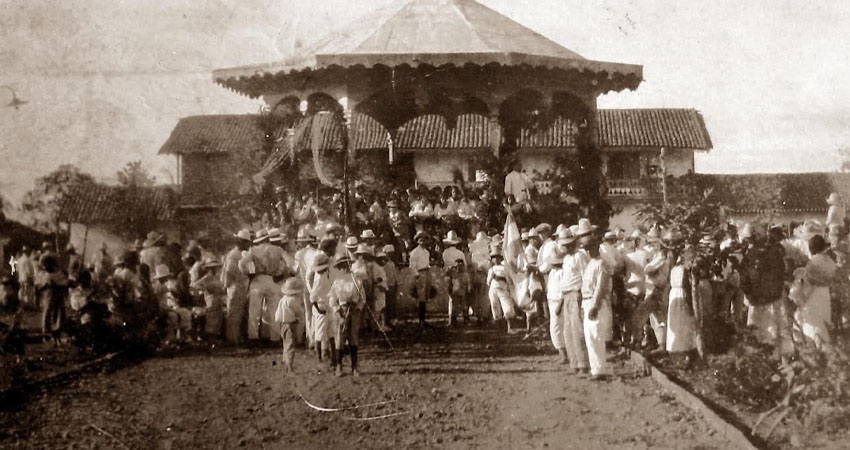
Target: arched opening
320,101
525,109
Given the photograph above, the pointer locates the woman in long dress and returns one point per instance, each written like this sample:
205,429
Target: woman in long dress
681,326
814,310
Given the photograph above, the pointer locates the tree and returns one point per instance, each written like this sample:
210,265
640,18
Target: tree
41,205
134,174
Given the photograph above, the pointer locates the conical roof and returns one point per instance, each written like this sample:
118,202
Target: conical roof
432,32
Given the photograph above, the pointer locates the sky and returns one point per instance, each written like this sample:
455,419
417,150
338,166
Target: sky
107,80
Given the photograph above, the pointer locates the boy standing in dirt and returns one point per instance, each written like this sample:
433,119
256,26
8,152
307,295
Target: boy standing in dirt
289,311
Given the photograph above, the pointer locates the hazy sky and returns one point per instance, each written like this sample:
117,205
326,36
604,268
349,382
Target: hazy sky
107,80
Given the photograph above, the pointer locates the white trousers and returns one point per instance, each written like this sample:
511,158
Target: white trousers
594,336
261,317
501,304
556,323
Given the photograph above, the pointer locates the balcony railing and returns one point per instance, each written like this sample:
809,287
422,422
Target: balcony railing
644,187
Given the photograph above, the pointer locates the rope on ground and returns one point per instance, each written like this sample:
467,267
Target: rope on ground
106,433
294,383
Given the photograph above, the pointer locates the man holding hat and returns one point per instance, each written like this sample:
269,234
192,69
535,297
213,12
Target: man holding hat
420,266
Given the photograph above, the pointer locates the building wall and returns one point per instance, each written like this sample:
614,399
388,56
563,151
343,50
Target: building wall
436,166
90,238
205,176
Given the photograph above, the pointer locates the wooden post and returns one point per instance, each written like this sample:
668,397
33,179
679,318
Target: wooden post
663,165
85,241
346,200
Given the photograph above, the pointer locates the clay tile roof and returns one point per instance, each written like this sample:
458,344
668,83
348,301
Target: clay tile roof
213,134
618,128
669,128
777,192
98,203
431,131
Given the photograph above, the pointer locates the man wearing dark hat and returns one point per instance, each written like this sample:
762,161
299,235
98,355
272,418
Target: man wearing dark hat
236,285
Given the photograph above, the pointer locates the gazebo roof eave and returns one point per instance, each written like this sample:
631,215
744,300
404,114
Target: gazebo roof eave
619,76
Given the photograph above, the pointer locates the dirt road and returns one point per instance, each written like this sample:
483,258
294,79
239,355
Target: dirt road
466,388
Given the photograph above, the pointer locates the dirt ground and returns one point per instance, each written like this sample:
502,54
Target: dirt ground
448,388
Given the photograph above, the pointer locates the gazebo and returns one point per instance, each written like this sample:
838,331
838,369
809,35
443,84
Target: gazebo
446,57
449,58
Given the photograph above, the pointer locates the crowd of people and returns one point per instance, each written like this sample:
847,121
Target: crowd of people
309,279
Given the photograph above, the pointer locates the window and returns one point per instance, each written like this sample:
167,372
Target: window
623,166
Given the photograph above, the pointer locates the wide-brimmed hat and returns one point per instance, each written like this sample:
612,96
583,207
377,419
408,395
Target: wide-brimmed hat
153,239
162,271
261,236
707,240
351,242
560,227
364,249
303,236
244,234
333,227
320,262
276,236
636,234
380,254
451,238
367,234
292,287
388,249
585,228
610,236
420,235
566,237
833,199
532,233
523,236
543,228
481,236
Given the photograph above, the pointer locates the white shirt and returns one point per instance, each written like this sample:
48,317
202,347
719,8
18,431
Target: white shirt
480,252
452,254
544,254
553,284
636,278
420,258
518,184
572,272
